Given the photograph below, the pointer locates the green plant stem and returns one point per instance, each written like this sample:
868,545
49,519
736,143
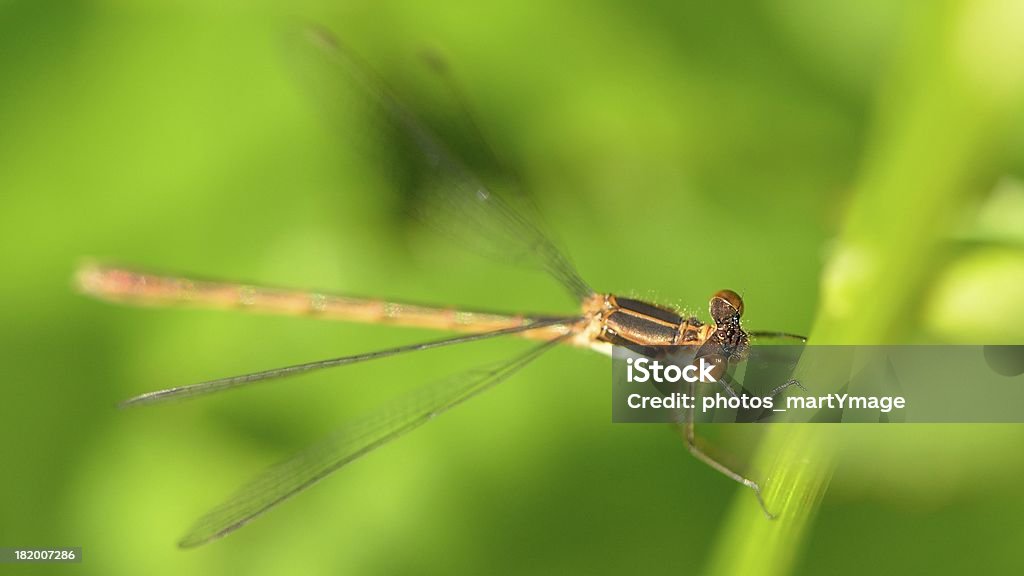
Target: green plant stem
933,123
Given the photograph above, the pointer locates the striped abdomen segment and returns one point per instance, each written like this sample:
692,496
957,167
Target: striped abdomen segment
638,325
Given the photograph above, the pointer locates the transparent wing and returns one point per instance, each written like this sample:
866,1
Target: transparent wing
437,65
221,384
304,469
502,225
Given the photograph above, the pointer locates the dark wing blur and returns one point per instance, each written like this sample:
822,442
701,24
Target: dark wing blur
499,224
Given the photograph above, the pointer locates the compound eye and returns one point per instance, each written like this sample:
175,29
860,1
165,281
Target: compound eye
721,303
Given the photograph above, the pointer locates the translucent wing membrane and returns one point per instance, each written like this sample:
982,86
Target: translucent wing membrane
211,386
304,469
450,197
438,66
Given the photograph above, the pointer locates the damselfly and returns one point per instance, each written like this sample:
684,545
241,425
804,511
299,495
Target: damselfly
603,321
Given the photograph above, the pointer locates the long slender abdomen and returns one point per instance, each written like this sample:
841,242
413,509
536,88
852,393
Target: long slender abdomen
145,289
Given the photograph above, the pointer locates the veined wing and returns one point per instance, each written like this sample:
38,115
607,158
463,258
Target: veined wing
308,467
221,384
502,225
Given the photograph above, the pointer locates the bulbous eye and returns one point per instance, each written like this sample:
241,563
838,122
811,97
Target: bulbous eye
723,298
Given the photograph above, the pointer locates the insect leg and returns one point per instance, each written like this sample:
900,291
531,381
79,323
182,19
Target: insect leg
689,436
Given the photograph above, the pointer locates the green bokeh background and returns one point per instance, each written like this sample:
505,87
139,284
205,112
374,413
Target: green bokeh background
673,148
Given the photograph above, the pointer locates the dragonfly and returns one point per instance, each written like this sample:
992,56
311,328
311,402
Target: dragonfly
601,322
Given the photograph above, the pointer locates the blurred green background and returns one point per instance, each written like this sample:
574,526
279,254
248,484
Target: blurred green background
853,169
